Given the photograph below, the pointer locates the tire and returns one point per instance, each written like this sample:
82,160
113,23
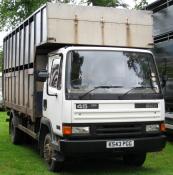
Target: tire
134,159
49,154
16,134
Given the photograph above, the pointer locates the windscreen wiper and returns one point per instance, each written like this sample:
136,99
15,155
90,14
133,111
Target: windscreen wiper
98,87
134,88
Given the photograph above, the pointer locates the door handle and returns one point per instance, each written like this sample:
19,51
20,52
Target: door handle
44,104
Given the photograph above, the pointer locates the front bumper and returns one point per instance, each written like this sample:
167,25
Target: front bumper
78,147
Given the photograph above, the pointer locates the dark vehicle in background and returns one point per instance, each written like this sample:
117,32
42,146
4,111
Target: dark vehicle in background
163,39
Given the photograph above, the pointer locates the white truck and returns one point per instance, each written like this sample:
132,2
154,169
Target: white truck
81,80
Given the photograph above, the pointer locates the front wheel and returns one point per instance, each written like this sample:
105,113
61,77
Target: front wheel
49,155
134,159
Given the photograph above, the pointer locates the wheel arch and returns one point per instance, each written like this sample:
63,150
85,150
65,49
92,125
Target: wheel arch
45,127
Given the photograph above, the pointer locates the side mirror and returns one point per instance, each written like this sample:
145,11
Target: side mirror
164,80
42,75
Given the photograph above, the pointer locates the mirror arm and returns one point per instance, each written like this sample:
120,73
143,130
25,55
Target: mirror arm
164,80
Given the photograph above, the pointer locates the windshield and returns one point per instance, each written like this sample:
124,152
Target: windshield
121,70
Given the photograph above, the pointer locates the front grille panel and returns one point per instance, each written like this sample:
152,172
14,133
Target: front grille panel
119,130
115,130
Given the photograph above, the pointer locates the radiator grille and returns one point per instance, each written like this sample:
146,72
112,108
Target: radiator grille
119,130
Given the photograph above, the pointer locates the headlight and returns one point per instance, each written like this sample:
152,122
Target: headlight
80,130
152,128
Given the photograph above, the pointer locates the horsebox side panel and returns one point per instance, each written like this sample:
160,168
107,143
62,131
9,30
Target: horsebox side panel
163,22
70,24
15,88
19,59
164,58
163,30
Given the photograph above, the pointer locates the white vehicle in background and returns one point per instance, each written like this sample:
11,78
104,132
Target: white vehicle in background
1,97
169,122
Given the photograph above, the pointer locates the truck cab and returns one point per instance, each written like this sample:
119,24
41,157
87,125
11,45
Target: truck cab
104,100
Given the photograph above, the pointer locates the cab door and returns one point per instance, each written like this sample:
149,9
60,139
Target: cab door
52,98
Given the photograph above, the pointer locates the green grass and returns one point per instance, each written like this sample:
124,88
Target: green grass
25,160
18,160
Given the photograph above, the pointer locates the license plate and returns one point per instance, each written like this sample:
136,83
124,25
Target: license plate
120,144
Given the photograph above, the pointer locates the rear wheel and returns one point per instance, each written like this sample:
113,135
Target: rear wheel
49,155
16,134
134,159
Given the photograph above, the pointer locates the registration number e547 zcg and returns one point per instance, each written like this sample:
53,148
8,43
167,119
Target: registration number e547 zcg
120,144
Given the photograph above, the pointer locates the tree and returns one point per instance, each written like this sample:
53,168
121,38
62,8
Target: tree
12,12
107,3
139,5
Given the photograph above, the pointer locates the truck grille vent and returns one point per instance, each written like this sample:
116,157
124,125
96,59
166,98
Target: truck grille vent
119,130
